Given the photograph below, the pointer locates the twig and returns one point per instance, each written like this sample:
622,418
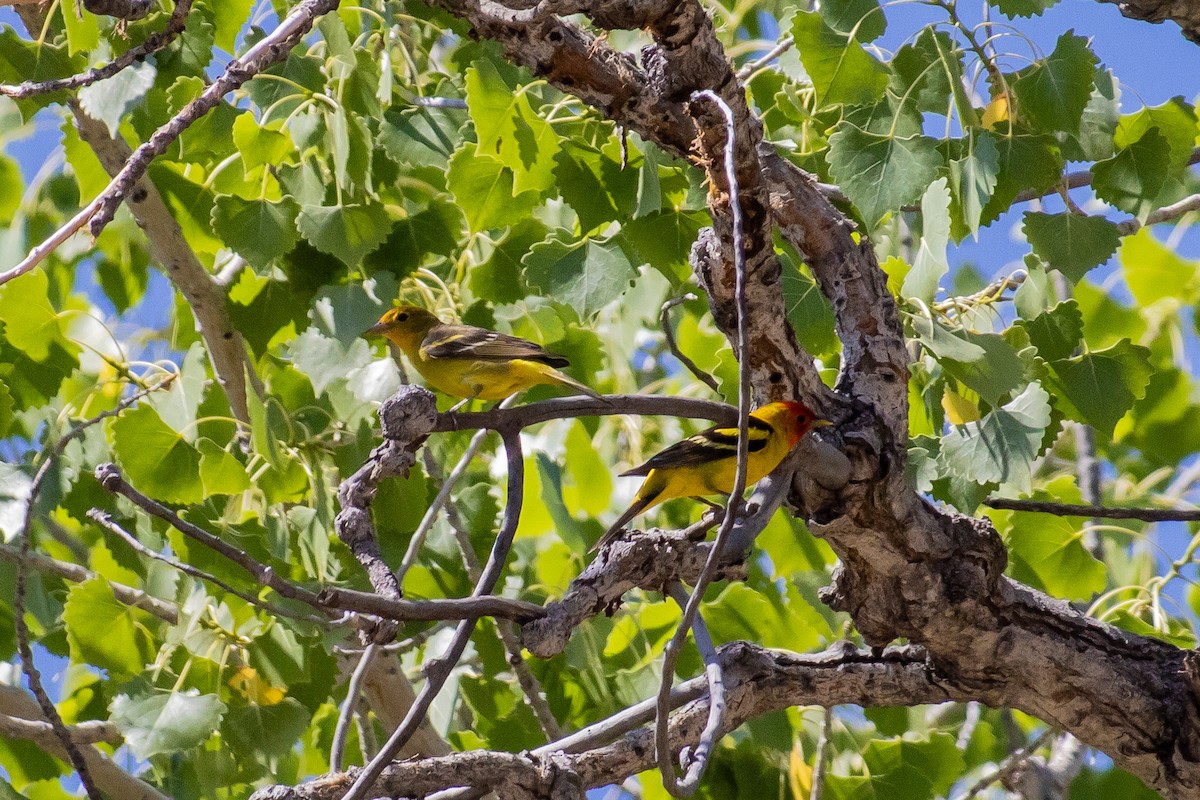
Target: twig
111,479
785,44
1104,512
153,44
715,677
272,48
1009,765
1164,214
506,628
74,755
353,692
438,102
108,523
431,514
665,323
422,610
438,671
164,610
662,739
568,407
821,763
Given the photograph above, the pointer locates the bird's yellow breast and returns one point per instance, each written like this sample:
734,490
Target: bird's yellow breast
485,380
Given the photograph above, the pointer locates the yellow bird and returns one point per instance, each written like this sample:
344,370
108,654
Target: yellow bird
707,462
469,362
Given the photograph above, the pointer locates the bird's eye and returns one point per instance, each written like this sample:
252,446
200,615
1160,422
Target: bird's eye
402,317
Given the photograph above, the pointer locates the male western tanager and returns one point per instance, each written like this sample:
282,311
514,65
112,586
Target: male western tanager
469,362
707,462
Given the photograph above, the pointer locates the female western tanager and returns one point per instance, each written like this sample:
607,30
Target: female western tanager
707,462
469,362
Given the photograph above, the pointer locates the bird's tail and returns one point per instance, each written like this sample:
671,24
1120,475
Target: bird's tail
644,499
569,382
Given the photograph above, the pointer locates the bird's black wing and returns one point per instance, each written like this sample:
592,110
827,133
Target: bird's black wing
717,442
467,341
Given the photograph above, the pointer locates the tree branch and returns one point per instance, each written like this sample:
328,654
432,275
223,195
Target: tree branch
420,610
153,44
1184,12
1102,512
757,681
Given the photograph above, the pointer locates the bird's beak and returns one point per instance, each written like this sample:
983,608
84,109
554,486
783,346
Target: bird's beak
378,329
821,423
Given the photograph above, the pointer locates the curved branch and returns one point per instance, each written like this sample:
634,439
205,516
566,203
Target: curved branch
757,681
1183,12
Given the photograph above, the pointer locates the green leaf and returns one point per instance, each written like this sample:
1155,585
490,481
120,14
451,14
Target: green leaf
1047,552
420,136
155,723
483,188
347,232
1052,93
500,279
1022,8
973,177
1056,333
1001,447
998,372
1104,384
105,632
258,230
1132,179
1027,163
862,19
156,459
507,127
913,768
230,17
1175,121
107,100
929,71
663,239
1070,243
31,323
881,173
269,729
220,472
259,144
741,612
1156,273
1099,122
580,182
841,70
83,29
930,263
586,275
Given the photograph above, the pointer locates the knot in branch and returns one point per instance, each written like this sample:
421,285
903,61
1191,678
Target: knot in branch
409,414
109,476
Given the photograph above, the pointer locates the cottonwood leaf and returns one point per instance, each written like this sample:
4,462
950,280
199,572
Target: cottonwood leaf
156,723
586,275
1001,447
1070,243
1133,178
1156,273
930,263
973,177
483,188
105,632
258,230
347,232
1053,93
1104,384
1056,333
842,72
507,127
157,460
881,173
107,100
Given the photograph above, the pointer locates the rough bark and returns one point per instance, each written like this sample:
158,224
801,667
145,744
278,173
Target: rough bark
1186,13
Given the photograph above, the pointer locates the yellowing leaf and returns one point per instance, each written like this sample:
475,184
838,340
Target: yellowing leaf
249,685
800,774
996,111
959,409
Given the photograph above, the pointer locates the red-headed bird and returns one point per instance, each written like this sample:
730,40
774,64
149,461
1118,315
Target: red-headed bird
707,462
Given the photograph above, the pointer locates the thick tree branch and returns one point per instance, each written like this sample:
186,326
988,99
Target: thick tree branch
175,257
757,681
1185,13
413,610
